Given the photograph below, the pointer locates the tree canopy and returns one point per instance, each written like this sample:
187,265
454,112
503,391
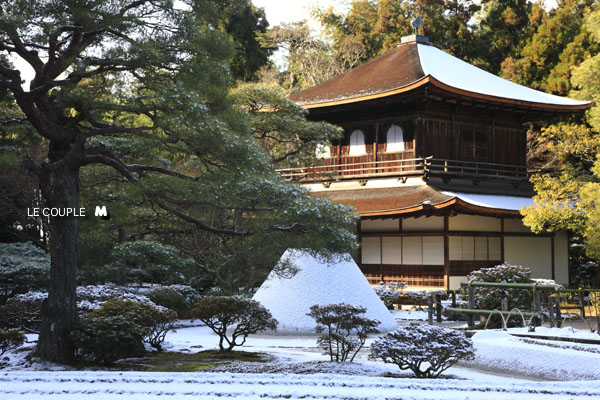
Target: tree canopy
567,197
137,92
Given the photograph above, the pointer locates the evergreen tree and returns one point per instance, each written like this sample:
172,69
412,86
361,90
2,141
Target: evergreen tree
558,44
243,22
502,31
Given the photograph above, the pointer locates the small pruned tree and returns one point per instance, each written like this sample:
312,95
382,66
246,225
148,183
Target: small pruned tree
345,329
425,349
9,339
220,313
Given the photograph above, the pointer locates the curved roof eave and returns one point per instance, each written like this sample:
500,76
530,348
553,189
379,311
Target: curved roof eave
455,202
451,89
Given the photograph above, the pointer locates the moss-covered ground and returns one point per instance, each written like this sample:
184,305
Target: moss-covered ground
167,361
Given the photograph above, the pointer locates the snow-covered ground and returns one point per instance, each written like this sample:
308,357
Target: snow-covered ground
541,359
144,386
505,367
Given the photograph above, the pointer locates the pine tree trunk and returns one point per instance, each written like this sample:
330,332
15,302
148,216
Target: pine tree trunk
60,309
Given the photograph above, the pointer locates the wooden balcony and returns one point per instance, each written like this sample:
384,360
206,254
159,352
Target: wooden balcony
360,167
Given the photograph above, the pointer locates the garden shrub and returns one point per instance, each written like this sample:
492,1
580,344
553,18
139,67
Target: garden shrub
23,267
179,298
426,350
23,311
345,329
92,297
154,322
118,330
491,298
389,292
9,339
222,312
105,339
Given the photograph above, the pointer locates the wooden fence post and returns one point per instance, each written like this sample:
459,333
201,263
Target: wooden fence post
430,310
470,317
558,313
438,307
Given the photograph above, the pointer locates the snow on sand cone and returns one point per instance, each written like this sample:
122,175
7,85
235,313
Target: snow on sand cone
318,282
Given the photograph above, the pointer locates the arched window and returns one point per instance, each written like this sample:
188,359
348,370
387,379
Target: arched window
395,139
357,143
322,151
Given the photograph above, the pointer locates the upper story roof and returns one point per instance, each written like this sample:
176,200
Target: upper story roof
415,64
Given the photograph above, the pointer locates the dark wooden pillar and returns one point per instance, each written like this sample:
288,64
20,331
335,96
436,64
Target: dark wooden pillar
446,254
502,240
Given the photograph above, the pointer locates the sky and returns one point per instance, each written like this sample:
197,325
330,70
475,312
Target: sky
282,11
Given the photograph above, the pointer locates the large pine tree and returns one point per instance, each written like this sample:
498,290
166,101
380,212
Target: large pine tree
139,88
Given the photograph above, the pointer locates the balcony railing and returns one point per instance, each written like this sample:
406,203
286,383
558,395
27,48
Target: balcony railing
425,166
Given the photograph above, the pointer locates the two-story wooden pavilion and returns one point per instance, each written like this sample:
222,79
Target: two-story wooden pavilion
433,160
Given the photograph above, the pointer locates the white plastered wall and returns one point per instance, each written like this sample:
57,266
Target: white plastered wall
515,225
474,223
424,224
380,225
454,282
532,252
561,258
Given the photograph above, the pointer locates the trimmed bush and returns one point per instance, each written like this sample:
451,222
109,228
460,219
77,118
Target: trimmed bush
426,350
10,339
491,298
103,340
23,311
390,292
92,297
345,329
154,322
118,330
23,267
220,313
179,298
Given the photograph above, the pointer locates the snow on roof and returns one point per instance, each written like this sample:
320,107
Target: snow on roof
493,201
319,282
461,75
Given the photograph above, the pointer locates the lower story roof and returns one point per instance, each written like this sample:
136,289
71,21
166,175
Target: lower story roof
425,200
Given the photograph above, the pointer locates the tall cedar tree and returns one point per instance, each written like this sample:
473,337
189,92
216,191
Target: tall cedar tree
503,30
140,87
558,44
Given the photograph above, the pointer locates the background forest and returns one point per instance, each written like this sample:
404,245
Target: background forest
167,104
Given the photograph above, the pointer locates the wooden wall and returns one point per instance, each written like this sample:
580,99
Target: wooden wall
444,131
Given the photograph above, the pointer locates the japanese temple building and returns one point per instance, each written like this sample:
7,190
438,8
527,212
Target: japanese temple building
434,161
